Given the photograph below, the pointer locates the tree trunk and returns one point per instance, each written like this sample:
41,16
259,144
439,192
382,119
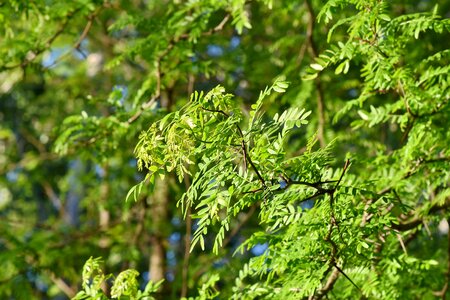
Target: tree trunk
159,208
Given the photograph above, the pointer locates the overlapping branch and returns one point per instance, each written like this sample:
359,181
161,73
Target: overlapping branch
36,52
159,75
245,152
328,238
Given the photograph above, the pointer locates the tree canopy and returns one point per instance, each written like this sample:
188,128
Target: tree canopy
211,149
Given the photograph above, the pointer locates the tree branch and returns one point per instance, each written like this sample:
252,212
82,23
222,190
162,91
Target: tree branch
153,99
47,44
328,238
243,146
314,53
420,161
238,227
159,75
62,285
77,44
417,220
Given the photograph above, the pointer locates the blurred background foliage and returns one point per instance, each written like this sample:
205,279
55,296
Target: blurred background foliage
79,80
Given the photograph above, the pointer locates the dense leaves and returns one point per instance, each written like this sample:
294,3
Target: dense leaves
224,149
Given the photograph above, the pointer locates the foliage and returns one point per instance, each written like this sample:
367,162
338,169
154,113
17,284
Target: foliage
331,182
125,285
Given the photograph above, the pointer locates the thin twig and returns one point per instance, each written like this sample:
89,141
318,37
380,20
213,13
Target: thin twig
47,44
238,227
243,146
77,44
253,191
54,199
402,244
159,75
187,243
420,161
219,27
30,138
153,99
403,93
233,233
62,285
418,220
348,278
314,53
328,238
317,185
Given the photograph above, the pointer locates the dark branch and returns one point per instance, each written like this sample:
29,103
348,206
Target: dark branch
348,278
243,146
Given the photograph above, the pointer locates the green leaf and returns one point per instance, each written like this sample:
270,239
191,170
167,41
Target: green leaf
316,67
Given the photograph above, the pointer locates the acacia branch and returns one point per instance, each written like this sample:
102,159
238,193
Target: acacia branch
86,29
403,94
316,185
30,138
54,199
417,220
172,42
243,146
328,238
420,161
328,285
153,99
77,44
218,28
35,53
216,111
246,217
62,285
238,227
348,278
443,292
